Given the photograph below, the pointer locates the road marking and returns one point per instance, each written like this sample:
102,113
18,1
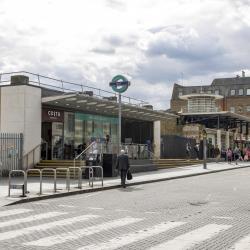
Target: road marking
94,194
243,244
30,218
95,208
126,239
70,206
121,210
28,230
58,239
189,239
222,217
14,212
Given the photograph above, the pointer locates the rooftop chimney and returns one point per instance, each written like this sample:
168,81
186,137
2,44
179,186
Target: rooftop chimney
243,73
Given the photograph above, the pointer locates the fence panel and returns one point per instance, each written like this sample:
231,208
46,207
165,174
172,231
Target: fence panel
11,152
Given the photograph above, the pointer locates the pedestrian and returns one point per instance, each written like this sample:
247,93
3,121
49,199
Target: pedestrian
188,150
237,154
217,153
196,149
122,165
229,155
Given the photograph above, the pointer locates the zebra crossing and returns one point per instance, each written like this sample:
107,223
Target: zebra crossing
135,231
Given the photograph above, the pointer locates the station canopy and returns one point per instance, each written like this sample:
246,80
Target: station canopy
222,119
80,102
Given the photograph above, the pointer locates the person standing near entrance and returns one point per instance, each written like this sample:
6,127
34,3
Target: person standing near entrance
122,165
217,153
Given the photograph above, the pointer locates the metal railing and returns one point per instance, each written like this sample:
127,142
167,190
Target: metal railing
11,152
79,177
32,152
18,186
68,87
40,177
92,176
90,146
54,174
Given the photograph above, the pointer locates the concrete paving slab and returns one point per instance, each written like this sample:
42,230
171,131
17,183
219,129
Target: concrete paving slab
109,183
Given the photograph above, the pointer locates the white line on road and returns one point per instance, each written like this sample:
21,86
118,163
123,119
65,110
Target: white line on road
95,208
61,238
14,212
30,218
126,239
121,210
69,206
15,233
189,239
243,244
222,217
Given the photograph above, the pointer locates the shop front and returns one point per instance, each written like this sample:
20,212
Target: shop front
68,133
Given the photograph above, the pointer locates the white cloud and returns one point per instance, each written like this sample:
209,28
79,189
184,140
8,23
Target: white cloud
156,42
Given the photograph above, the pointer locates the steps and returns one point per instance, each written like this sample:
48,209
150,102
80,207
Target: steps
172,163
54,164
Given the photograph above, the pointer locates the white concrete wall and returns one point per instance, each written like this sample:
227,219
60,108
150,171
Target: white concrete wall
157,139
20,112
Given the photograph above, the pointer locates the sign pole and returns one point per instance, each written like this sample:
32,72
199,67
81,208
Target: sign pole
120,123
204,149
119,84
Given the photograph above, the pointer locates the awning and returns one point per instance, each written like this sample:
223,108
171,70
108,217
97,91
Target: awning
91,104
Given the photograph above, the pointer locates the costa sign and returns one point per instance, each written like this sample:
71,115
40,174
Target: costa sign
52,115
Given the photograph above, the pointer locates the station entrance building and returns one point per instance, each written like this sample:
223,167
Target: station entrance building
67,116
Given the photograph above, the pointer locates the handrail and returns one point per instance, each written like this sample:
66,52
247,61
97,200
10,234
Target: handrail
33,151
39,83
86,149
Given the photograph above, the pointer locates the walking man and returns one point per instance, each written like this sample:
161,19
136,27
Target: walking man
122,165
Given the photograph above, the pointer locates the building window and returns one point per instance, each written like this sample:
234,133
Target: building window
209,92
232,109
217,92
248,91
240,109
241,91
232,92
180,93
248,108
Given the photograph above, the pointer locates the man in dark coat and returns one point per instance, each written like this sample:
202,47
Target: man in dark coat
122,165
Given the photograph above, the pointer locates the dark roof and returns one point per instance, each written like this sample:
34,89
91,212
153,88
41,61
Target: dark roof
231,81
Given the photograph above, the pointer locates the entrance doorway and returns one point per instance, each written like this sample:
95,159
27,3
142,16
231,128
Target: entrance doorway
52,133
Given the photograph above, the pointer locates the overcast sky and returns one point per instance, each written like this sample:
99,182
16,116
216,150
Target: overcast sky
154,42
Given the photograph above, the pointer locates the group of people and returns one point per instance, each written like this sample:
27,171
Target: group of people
237,154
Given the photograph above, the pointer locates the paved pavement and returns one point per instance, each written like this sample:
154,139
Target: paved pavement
205,212
138,178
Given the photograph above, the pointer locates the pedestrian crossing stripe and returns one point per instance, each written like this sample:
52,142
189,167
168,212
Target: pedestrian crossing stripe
189,239
76,234
126,239
19,232
13,212
30,218
243,244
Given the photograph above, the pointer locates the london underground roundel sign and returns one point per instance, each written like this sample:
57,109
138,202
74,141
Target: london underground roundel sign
119,83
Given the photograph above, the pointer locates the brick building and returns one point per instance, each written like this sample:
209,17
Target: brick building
223,108
235,90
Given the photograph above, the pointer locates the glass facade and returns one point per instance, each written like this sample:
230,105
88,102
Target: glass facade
89,127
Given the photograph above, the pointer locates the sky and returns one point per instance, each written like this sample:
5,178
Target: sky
155,43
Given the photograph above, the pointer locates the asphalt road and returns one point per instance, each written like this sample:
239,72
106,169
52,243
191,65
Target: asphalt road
204,212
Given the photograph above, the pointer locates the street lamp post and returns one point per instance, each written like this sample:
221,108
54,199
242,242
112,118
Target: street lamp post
204,135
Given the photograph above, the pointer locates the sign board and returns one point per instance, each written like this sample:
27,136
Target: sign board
119,83
52,115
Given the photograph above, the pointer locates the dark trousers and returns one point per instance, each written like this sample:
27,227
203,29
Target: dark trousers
123,177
